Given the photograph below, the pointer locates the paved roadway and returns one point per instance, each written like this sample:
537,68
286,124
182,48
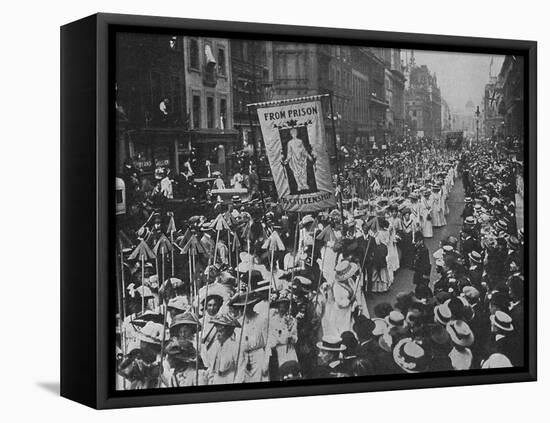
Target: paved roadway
403,277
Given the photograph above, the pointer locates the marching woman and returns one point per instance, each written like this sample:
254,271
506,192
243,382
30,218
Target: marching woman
283,331
382,278
394,229
224,365
425,212
408,228
438,207
342,298
253,360
181,365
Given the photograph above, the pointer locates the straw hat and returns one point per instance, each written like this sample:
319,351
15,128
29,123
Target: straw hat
329,343
179,303
502,321
345,270
225,320
186,318
442,314
410,356
151,333
395,318
460,333
243,299
496,361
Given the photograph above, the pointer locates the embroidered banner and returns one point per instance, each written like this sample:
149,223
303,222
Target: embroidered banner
294,137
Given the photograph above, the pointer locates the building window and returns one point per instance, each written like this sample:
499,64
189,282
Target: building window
174,44
196,111
223,113
210,112
414,113
221,62
194,53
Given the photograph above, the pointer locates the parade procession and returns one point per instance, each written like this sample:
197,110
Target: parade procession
313,257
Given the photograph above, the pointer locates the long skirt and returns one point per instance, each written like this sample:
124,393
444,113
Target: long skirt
251,366
407,251
427,229
381,281
439,218
392,259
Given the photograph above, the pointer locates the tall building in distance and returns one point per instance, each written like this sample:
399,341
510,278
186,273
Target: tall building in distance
511,105
312,69
209,100
464,119
150,100
423,101
252,80
446,117
394,84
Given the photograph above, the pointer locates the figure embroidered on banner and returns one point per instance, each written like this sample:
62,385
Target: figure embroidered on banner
298,160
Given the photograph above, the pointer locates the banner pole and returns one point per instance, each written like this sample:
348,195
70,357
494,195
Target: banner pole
256,161
337,162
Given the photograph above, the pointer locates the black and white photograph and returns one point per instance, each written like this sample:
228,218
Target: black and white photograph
416,267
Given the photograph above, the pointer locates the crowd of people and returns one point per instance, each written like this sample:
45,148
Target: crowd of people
248,293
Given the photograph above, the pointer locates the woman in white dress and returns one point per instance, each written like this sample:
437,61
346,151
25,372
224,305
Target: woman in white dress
382,278
341,298
438,208
425,210
394,228
283,330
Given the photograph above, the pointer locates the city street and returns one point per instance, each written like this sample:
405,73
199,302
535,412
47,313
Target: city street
404,277
254,160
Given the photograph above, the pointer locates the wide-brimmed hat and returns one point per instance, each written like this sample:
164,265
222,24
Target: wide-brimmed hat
442,314
243,299
502,321
460,333
470,220
186,318
329,343
496,361
225,320
501,225
468,200
475,257
303,282
179,303
148,316
395,318
345,270
410,356
151,333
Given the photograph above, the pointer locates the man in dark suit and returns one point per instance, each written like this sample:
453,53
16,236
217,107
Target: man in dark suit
516,289
421,264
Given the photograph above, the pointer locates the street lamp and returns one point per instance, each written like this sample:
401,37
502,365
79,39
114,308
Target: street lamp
477,124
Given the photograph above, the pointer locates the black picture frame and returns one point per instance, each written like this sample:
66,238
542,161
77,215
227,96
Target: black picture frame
87,197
